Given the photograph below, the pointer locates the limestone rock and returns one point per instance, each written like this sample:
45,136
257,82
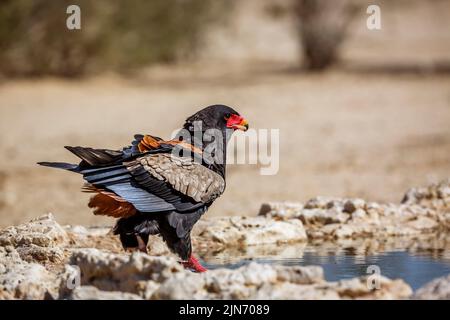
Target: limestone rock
423,223
437,289
324,203
242,231
34,253
39,240
423,210
435,195
43,231
123,272
280,210
256,281
290,291
359,288
323,217
92,293
35,264
22,280
242,283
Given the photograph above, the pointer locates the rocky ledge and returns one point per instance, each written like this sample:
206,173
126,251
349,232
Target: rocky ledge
44,260
422,211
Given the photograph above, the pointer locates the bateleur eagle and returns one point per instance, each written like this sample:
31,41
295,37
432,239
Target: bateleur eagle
152,189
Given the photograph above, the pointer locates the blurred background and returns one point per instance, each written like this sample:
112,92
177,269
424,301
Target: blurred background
362,113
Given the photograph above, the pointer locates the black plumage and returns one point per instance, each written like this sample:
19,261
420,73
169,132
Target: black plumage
151,190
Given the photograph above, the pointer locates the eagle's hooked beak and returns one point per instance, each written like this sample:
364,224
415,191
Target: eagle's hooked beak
237,123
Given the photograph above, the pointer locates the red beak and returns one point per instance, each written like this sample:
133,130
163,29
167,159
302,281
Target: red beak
237,123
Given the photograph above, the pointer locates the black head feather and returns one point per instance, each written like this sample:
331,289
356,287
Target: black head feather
211,117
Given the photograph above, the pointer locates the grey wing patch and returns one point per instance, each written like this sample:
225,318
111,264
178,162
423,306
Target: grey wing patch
188,177
140,199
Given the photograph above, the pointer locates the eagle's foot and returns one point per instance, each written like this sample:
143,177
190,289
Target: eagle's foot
142,246
193,265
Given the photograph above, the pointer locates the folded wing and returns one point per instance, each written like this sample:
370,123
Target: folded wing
159,182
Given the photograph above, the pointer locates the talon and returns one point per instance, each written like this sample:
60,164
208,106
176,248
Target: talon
193,265
141,244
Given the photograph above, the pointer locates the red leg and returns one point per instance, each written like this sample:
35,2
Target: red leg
193,264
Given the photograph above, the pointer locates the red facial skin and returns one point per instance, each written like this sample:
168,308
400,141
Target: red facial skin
193,264
237,122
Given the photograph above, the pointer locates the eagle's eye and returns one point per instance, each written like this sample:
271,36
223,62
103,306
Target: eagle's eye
227,116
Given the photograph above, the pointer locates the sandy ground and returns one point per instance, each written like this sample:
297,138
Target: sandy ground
353,132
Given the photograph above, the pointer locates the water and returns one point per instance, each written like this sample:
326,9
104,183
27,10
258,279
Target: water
414,268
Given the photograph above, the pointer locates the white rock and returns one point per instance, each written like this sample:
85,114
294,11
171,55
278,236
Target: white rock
423,223
92,293
23,280
122,272
344,231
242,283
39,240
240,231
437,289
359,214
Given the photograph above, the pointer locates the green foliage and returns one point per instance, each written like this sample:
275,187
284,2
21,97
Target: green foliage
115,34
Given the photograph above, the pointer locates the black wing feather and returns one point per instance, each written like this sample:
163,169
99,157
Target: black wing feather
96,157
146,193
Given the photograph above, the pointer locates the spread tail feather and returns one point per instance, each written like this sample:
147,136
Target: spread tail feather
60,165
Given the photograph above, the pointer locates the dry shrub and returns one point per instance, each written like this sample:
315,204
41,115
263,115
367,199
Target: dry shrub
115,34
322,28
